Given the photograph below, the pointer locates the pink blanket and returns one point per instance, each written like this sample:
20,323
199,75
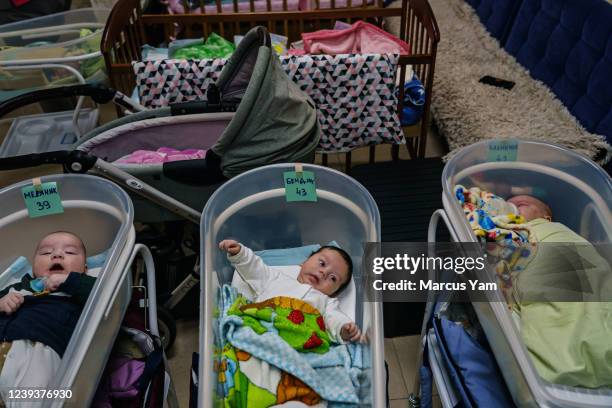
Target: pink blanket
162,155
360,38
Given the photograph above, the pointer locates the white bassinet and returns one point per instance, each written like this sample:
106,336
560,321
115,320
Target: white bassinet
102,215
253,209
580,196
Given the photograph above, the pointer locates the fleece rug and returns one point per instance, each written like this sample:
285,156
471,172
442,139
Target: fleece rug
467,111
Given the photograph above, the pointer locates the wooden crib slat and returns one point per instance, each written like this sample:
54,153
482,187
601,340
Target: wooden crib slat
413,28
134,49
403,22
221,28
422,39
286,24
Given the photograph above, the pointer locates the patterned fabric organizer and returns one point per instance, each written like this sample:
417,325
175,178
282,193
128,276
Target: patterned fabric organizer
354,94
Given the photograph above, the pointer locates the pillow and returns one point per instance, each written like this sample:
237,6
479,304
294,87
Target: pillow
287,256
290,256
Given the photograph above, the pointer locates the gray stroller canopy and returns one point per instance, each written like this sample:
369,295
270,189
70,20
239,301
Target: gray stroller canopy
275,121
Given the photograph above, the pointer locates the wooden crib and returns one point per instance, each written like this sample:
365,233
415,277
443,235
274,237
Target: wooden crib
127,29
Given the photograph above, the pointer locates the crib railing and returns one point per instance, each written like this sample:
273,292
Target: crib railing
126,27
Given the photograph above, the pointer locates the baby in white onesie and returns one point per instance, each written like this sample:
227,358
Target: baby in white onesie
322,276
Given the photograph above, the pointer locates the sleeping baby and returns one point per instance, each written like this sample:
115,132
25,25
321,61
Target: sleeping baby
568,340
321,277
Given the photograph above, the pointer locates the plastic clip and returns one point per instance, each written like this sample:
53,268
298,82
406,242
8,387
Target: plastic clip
37,184
299,169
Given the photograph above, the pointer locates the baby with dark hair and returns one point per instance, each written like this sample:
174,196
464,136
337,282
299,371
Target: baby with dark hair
38,313
321,277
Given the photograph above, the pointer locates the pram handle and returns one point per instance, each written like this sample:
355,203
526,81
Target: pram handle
74,161
99,93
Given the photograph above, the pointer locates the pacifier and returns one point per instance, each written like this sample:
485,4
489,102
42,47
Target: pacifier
38,286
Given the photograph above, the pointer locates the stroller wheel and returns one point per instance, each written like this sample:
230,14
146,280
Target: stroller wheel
167,327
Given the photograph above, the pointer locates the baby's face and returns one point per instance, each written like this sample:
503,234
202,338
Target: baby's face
60,252
325,271
530,207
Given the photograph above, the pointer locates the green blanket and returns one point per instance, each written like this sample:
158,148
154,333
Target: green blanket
570,342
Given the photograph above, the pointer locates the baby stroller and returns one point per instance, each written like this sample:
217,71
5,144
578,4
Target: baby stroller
580,196
235,126
102,215
256,198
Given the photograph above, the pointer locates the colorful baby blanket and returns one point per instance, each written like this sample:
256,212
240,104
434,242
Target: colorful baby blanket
495,221
277,351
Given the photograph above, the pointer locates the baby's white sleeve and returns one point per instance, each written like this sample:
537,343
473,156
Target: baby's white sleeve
252,269
335,319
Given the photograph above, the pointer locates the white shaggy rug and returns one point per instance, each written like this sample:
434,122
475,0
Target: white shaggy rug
467,111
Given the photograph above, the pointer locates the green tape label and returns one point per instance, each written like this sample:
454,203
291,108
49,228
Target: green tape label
502,150
300,187
42,201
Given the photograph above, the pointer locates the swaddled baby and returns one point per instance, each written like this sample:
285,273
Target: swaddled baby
569,341
321,277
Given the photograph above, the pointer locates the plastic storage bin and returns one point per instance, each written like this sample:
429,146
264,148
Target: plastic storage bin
252,208
580,196
68,41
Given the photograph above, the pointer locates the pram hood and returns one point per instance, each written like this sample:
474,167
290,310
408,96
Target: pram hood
275,121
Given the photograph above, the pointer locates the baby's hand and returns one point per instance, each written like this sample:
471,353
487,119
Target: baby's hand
230,246
54,281
10,302
350,332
